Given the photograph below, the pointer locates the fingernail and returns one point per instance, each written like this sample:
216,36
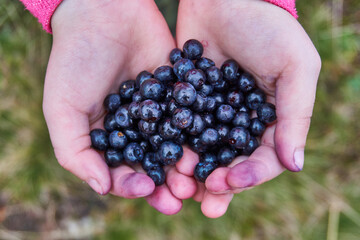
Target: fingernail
220,192
299,158
94,184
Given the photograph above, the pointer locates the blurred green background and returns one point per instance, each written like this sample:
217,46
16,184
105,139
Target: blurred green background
40,200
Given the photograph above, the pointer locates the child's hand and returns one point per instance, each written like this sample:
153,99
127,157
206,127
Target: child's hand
270,44
97,45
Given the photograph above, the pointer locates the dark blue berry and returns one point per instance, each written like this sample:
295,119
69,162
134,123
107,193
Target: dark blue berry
122,117
219,98
133,153
196,77
203,170
208,158
152,89
110,123
184,93
168,93
256,127
197,126
165,74
150,111
266,113
204,63
156,141
207,89
209,137
170,153
235,98
167,130
175,55
246,82
157,175
147,127
200,103
239,137
134,112
142,76
243,108
193,49
181,139
163,106
112,102
196,145
137,97
117,139
182,66
149,162
182,118
223,131
172,106
145,145
113,158
132,135
99,139
251,146
209,120
127,89
225,156
241,119
221,86
255,98
214,75
225,113
230,69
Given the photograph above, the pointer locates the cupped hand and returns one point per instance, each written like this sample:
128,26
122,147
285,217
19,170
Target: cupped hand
96,46
270,44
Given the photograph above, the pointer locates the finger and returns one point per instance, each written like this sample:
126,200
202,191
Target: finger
130,184
214,206
69,133
163,201
187,163
181,186
200,191
216,183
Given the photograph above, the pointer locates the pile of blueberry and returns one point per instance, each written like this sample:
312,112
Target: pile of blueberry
193,103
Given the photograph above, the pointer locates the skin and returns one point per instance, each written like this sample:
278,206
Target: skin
270,44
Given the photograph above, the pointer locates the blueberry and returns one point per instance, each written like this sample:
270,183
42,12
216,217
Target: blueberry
133,153
266,113
193,49
243,108
110,123
225,156
168,93
196,145
184,93
127,89
219,98
172,106
223,131
156,141
230,69
251,146
134,112
99,139
152,89
132,134
241,119
181,139
136,97
175,55
203,170
239,137
147,127
182,118
204,63
235,98
210,104
145,145
197,126
225,113
122,117
255,98
170,153
209,137
209,120
208,158
167,130
163,107
150,111
112,102
200,103
117,139
256,127
113,158
207,89
221,86
157,175
214,75
246,82
149,162
165,74
196,77
142,76
182,66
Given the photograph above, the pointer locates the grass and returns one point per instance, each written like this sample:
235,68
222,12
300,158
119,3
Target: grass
40,200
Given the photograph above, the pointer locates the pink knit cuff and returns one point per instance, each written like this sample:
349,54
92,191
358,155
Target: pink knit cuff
42,10
288,5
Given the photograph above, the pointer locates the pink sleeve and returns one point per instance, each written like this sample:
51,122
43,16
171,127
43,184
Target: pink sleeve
288,5
42,10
